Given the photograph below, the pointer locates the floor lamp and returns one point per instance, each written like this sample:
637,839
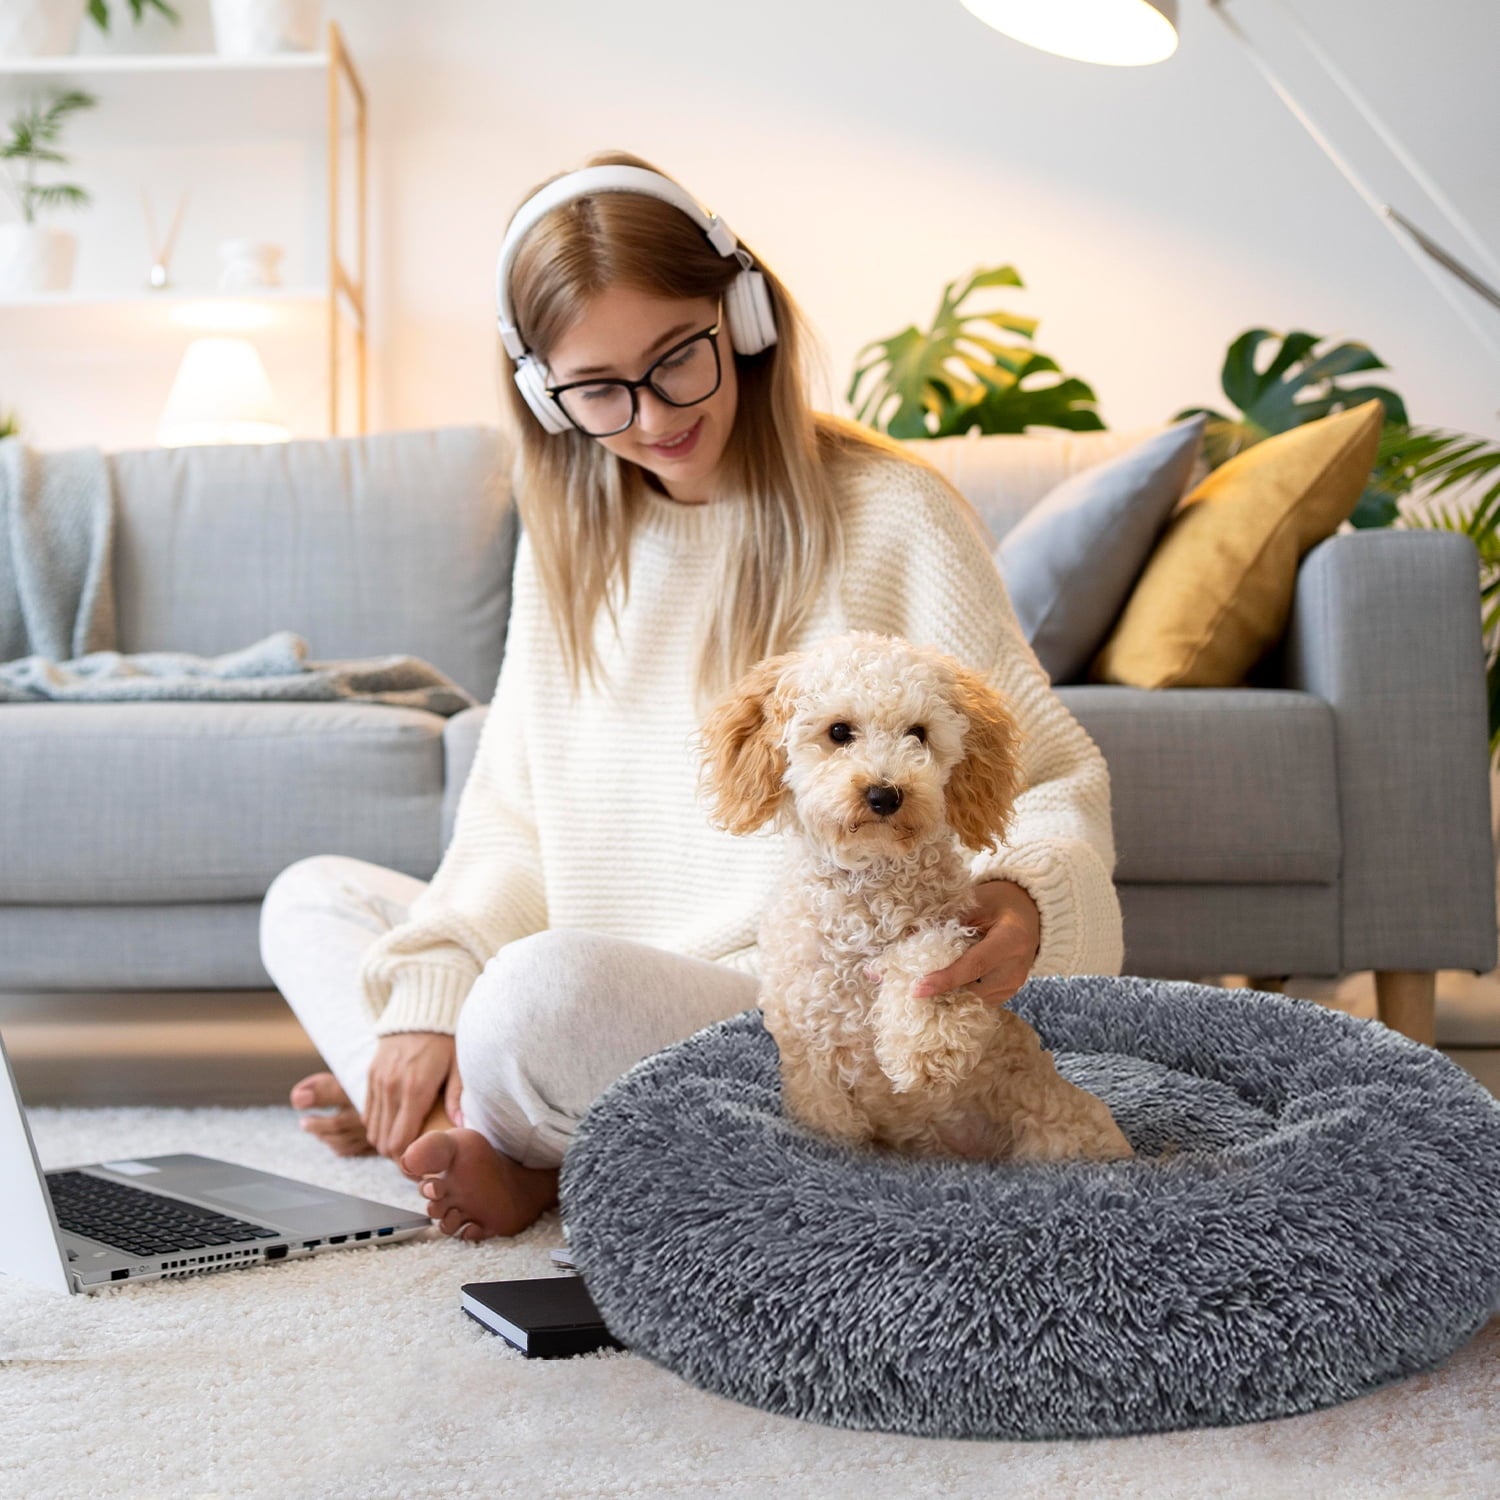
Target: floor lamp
1135,32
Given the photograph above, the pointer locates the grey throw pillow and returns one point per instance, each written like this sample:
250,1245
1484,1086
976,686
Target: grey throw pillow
1070,563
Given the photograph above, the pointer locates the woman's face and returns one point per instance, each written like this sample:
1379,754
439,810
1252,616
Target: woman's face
620,333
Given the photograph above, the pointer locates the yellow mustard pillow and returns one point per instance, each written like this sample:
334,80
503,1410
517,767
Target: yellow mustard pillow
1216,592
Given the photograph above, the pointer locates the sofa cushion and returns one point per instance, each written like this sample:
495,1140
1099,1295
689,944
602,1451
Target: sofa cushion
398,542
1217,592
1070,563
1236,785
138,802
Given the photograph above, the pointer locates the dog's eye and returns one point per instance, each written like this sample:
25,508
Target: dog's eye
920,730
840,733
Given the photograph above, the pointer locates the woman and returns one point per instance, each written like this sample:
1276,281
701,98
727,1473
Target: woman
685,514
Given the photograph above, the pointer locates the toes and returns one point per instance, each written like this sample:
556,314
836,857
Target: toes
342,1132
319,1091
344,1122
429,1155
453,1220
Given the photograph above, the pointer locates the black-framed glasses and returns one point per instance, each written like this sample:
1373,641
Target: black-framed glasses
686,374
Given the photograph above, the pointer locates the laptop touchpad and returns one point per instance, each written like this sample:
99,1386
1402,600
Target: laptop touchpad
266,1197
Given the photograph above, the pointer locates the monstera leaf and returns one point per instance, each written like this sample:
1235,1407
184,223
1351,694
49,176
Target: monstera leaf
1301,384
958,375
1298,385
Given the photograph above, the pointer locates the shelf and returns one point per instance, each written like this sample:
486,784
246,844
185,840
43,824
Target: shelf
170,297
68,64
79,320
148,98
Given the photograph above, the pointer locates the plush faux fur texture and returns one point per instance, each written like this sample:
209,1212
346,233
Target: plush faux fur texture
884,761
1313,1212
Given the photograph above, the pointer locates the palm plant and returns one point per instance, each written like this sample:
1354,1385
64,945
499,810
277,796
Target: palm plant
957,376
1426,463
33,135
1414,465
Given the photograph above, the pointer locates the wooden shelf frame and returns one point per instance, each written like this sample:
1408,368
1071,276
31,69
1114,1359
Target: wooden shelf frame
344,288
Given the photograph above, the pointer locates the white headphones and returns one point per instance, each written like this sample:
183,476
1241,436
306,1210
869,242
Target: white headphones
752,324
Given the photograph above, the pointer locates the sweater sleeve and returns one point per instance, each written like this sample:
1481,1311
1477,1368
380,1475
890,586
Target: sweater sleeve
943,589
488,890
745,960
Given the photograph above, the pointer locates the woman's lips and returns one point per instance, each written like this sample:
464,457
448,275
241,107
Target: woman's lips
682,449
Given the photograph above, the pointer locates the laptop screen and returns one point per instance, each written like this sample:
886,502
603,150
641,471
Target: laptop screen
30,1245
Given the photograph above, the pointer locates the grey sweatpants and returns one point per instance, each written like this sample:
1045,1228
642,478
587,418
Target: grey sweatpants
552,1020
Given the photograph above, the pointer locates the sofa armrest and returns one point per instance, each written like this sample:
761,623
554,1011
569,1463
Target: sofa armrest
1385,626
460,741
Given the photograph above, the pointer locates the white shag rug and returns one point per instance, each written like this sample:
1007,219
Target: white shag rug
356,1375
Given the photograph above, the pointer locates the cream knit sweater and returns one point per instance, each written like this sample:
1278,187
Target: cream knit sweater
585,813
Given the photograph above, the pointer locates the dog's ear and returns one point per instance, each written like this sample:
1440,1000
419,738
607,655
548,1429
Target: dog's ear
740,740
982,788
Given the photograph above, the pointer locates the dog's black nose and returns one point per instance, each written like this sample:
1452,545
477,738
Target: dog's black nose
883,799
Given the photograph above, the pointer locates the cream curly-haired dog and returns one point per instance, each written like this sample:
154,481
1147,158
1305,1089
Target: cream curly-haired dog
883,761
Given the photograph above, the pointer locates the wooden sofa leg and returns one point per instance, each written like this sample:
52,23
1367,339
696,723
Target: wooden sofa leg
1273,984
1406,1001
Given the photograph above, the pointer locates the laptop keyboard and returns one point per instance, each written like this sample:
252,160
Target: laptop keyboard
143,1223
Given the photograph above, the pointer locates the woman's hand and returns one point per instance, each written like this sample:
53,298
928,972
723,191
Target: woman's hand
409,1070
999,961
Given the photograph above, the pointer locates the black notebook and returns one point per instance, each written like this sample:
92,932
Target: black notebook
550,1317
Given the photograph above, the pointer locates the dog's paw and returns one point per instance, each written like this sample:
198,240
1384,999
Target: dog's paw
917,1069
925,1044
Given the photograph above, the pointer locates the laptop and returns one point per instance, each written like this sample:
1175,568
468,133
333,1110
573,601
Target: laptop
81,1228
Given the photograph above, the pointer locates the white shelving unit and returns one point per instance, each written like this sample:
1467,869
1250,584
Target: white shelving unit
198,117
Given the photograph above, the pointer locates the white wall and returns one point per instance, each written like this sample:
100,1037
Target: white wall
871,150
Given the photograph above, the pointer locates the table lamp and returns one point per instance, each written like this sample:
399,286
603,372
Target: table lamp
221,394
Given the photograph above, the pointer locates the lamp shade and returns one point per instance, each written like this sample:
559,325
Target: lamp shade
221,394
1125,33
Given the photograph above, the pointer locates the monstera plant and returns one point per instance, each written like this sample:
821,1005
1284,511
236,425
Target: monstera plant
959,375
1428,478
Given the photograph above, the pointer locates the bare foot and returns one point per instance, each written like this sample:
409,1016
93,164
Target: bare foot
473,1190
343,1132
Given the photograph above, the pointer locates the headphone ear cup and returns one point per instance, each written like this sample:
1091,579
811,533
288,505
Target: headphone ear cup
531,380
752,323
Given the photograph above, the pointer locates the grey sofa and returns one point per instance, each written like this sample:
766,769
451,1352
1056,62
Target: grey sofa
1332,815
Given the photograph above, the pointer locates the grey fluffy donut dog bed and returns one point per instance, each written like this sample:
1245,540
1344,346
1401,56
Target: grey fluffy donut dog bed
1328,1222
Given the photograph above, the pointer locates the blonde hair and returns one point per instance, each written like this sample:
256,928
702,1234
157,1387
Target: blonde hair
580,503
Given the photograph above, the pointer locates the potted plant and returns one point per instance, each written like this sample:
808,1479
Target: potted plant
48,28
35,257
957,376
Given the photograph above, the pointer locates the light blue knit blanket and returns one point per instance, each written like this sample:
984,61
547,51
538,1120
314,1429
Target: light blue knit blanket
57,613
56,552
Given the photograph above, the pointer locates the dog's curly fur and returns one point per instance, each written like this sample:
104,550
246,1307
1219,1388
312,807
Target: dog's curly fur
883,761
